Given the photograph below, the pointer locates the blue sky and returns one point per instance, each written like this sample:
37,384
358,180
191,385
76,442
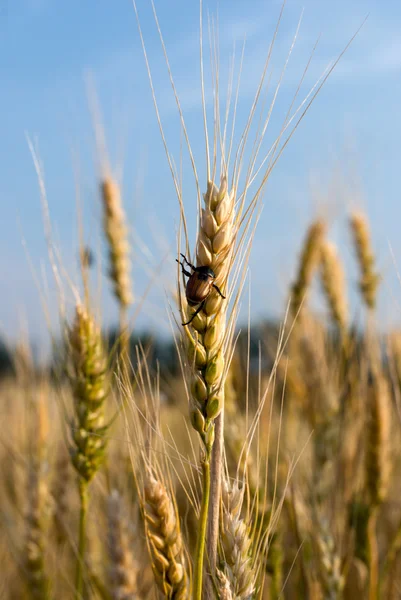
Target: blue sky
347,151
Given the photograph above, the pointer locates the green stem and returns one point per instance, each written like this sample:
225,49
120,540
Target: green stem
83,497
216,469
202,527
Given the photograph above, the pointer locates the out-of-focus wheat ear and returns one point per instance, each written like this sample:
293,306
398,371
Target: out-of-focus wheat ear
369,279
89,379
239,459
164,540
116,232
308,263
223,586
377,440
34,560
377,463
115,228
123,568
236,544
330,571
61,486
333,283
36,493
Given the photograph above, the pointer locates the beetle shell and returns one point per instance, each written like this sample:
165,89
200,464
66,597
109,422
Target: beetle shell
199,285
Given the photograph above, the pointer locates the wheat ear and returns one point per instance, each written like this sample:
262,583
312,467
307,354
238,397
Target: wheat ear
369,279
164,539
34,563
377,465
308,263
330,571
123,568
60,496
90,388
333,283
236,543
115,228
36,490
206,336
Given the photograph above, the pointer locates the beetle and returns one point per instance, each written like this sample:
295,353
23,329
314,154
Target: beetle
199,285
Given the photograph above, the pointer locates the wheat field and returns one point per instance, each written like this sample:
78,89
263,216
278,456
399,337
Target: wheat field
263,464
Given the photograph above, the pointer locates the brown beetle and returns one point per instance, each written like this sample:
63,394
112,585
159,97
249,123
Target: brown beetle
199,285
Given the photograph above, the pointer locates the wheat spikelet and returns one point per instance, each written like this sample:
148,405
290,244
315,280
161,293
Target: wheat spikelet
164,540
333,283
308,262
123,569
369,279
90,389
236,543
223,586
116,233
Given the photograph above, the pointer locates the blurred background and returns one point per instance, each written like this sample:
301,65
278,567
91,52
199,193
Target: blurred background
345,154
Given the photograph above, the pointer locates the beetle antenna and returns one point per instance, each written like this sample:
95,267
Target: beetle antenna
183,269
188,263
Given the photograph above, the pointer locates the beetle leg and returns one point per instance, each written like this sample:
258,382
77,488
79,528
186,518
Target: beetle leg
195,313
188,263
216,288
183,269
